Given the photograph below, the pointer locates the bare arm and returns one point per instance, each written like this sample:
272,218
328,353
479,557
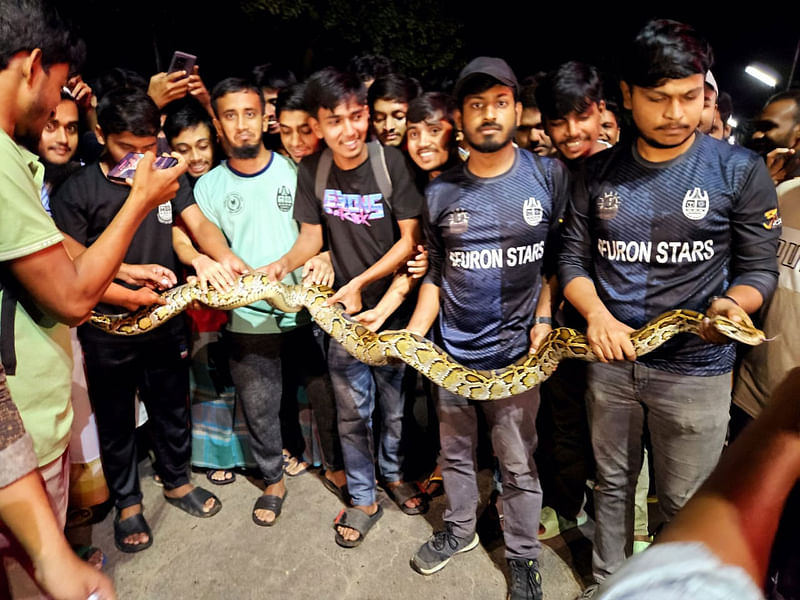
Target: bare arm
350,294
736,511
69,289
426,311
307,245
398,291
26,511
544,308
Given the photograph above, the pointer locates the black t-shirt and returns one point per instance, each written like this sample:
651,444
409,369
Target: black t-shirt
86,204
360,226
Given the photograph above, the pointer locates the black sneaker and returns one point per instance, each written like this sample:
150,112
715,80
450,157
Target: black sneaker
526,582
434,554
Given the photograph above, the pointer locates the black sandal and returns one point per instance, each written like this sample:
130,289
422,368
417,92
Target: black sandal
194,502
130,526
268,502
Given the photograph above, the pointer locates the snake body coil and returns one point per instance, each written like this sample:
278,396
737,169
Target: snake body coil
379,348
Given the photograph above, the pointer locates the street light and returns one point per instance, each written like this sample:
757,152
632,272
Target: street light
762,75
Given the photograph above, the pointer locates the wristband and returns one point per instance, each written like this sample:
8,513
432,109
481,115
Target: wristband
543,321
713,298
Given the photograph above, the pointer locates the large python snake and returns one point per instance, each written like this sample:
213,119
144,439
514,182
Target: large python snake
430,360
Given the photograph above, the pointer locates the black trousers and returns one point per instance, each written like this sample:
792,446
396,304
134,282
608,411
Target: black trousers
158,367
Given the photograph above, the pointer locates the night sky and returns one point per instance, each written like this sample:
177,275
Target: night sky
228,41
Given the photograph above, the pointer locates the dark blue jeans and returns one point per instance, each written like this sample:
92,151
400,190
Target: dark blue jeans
356,387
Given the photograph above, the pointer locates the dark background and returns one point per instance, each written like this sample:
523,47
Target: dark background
428,39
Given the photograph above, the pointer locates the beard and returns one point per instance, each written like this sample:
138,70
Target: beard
246,151
488,145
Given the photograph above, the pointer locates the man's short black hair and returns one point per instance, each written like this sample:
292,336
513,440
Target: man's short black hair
791,94
118,77
527,95
232,85
662,50
370,66
273,77
291,98
431,105
183,114
571,87
128,110
330,87
477,84
29,24
395,87
613,107
725,106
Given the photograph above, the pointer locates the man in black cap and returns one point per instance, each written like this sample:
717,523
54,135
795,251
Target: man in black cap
490,225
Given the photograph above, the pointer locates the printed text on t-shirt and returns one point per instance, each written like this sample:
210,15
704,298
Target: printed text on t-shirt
356,208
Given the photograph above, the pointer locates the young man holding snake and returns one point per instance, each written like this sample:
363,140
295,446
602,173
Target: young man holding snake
674,219
371,232
491,226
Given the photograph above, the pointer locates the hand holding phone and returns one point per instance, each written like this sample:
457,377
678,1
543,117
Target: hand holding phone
181,61
125,169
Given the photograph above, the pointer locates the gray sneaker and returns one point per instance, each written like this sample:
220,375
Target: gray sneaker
434,554
526,582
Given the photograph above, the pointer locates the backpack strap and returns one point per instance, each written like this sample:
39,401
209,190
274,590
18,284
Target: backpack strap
8,310
377,160
321,176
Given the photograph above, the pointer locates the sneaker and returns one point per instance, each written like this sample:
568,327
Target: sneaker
526,582
434,554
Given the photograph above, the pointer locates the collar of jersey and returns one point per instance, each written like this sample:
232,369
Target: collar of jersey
257,173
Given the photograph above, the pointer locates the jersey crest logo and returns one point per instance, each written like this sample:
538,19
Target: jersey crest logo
772,219
165,213
284,199
532,211
608,205
458,221
234,203
695,204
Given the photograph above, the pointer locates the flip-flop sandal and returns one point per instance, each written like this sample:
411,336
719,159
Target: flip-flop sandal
340,492
294,467
193,503
130,526
433,486
269,502
225,481
358,520
405,492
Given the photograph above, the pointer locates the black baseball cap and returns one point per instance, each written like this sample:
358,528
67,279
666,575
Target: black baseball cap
496,68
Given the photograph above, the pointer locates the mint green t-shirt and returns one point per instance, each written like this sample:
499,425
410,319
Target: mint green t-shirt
42,384
255,214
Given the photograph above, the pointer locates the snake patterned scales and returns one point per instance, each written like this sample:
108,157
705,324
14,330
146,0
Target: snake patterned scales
423,355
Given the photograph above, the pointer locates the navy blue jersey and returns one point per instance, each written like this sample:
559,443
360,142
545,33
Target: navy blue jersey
490,241
659,236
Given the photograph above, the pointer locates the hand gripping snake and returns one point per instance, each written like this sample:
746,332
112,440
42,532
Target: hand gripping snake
380,348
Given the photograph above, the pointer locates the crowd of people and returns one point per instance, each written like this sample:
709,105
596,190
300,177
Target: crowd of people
481,216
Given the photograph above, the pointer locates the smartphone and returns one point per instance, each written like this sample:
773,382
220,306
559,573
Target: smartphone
181,61
126,168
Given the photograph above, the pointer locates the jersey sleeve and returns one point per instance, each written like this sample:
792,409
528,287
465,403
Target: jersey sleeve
755,229
575,255
433,241
307,207
406,200
184,198
69,209
559,191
